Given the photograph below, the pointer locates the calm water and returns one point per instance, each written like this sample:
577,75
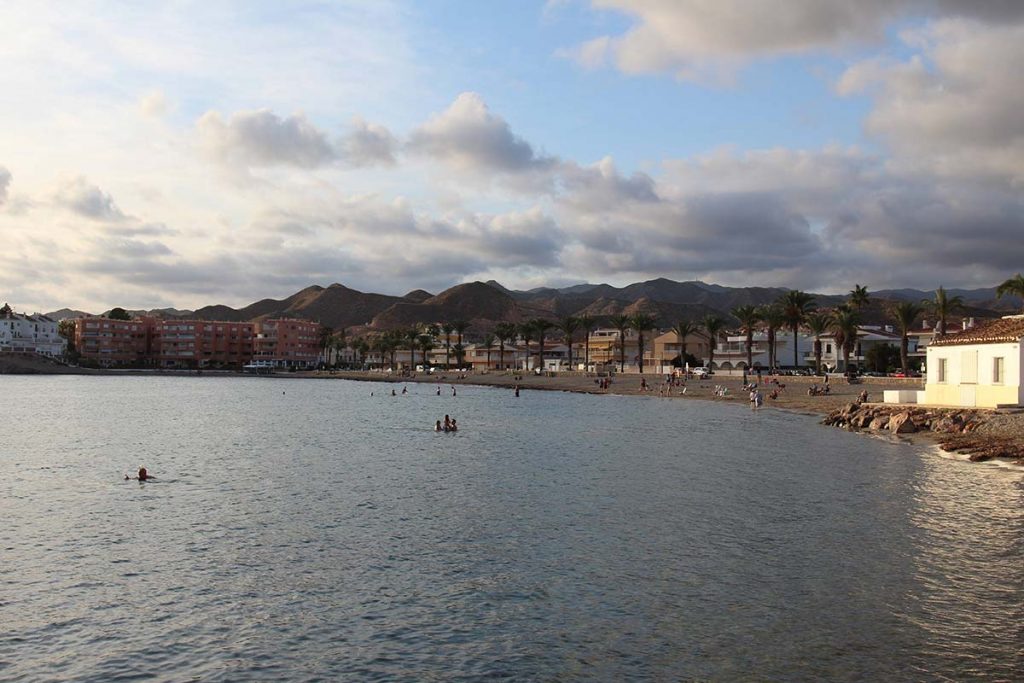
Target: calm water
304,530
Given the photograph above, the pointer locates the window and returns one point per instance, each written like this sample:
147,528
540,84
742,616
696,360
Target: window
941,371
997,371
828,348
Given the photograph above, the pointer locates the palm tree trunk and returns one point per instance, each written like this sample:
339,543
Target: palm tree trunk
640,348
750,350
796,356
904,351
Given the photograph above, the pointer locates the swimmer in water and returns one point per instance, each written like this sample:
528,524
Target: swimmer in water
437,426
142,476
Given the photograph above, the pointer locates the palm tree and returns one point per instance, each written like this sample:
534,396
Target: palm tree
641,322
447,328
326,341
773,317
362,346
393,339
621,322
541,327
587,323
683,329
713,326
818,324
859,297
568,325
749,317
412,340
1014,286
795,307
944,305
505,332
379,346
905,313
489,344
340,344
844,328
526,332
426,344
460,327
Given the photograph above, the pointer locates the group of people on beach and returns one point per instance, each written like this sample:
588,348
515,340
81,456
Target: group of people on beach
448,426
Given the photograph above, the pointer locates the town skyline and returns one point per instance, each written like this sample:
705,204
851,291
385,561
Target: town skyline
182,156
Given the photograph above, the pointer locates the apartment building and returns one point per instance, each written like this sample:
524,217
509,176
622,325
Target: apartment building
203,343
115,342
148,341
287,343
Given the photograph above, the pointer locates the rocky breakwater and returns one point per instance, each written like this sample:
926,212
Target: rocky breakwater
959,430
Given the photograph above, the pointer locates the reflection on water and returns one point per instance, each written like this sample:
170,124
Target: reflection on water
309,529
968,545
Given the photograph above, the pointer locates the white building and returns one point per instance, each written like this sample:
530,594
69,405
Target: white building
868,336
978,367
35,333
732,353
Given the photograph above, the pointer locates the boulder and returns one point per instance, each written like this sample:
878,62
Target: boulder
901,423
880,422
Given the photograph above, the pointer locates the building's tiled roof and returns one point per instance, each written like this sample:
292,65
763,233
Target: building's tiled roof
1001,331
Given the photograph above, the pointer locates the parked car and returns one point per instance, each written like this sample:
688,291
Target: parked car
700,372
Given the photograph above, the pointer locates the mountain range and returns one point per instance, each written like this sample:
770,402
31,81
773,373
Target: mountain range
485,304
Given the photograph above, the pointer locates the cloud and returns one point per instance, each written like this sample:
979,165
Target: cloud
154,104
367,144
601,185
252,139
953,108
5,182
469,137
85,199
700,40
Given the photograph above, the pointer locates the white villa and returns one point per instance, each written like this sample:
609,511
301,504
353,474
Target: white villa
868,336
35,333
978,367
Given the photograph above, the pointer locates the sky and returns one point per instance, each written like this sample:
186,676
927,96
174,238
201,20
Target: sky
179,154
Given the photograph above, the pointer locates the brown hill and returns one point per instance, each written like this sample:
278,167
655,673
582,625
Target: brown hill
336,306
476,302
418,296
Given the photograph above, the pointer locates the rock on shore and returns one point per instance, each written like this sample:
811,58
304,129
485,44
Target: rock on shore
958,425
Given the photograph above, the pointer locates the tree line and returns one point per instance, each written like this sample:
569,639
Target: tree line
792,312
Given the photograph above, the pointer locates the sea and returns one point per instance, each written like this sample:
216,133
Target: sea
321,530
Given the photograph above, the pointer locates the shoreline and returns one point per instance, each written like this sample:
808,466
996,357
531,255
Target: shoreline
1000,434
997,433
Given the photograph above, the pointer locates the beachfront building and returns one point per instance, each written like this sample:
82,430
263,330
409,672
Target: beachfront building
868,336
202,343
110,343
286,343
731,354
22,333
664,350
978,367
605,347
